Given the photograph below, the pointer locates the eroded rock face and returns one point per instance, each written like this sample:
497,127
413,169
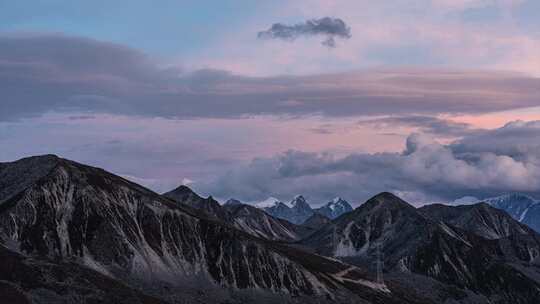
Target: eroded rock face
81,212
24,280
121,230
334,208
472,248
258,223
481,219
296,212
522,208
316,221
249,219
66,224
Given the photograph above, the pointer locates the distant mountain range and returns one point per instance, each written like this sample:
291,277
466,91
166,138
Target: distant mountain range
71,233
298,210
476,248
247,218
521,207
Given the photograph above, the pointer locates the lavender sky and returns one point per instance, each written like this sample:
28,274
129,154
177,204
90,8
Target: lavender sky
434,100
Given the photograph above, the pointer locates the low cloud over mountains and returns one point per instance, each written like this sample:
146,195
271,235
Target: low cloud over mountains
116,106
482,164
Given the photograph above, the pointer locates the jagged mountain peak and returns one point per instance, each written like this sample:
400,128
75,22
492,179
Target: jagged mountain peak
383,217
335,208
182,190
481,219
455,245
17,175
21,174
41,158
338,200
296,212
269,202
300,203
512,201
184,195
89,217
34,164
521,207
386,200
514,195
299,199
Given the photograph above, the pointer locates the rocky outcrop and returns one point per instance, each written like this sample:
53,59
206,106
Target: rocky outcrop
73,213
335,208
475,249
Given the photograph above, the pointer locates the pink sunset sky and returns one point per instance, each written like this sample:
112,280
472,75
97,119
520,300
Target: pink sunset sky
432,99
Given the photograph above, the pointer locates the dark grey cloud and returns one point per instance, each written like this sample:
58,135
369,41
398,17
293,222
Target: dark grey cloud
425,124
519,140
55,73
484,164
328,27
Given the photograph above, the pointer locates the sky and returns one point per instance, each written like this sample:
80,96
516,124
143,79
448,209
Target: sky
434,100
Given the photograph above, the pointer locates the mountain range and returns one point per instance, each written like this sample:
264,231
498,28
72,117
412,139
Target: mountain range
521,207
298,210
71,233
484,252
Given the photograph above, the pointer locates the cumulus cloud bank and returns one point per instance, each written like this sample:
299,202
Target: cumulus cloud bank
327,26
481,165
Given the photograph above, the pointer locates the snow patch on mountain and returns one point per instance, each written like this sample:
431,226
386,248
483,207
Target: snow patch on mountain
269,202
335,208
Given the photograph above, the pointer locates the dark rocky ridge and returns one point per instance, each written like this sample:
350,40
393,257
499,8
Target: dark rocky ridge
316,221
481,219
82,215
72,225
258,223
521,207
299,210
243,217
447,244
25,280
186,196
334,208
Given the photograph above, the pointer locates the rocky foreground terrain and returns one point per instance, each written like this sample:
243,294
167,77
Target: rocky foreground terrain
71,233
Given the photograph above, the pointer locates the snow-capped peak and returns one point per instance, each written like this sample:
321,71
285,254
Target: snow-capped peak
513,196
335,208
515,204
267,203
299,202
299,198
337,202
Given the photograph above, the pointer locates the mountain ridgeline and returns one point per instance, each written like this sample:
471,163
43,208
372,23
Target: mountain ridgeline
66,224
71,233
298,210
522,208
484,252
